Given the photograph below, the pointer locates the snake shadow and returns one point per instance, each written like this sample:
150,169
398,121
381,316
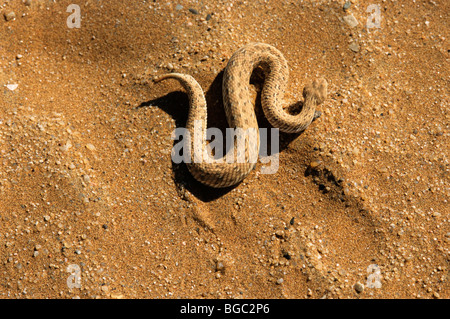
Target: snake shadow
176,104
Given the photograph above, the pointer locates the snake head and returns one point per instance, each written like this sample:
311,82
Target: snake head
316,90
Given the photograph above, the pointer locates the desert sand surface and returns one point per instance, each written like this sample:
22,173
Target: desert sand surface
359,207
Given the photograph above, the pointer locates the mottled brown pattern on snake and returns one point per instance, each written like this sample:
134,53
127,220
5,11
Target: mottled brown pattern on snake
240,111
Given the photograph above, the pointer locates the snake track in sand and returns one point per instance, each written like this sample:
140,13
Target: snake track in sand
240,110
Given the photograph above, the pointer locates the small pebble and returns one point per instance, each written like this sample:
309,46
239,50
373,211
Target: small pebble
359,287
86,178
12,87
279,281
170,66
208,17
347,5
10,16
354,47
178,7
193,11
220,266
116,295
90,147
66,146
314,164
351,21
27,3
436,214
279,233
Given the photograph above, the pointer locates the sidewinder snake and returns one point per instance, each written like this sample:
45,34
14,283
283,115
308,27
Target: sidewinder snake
240,111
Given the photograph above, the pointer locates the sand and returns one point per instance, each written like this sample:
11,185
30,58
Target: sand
92,205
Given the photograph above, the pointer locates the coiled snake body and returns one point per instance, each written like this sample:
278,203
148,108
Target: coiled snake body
240,110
